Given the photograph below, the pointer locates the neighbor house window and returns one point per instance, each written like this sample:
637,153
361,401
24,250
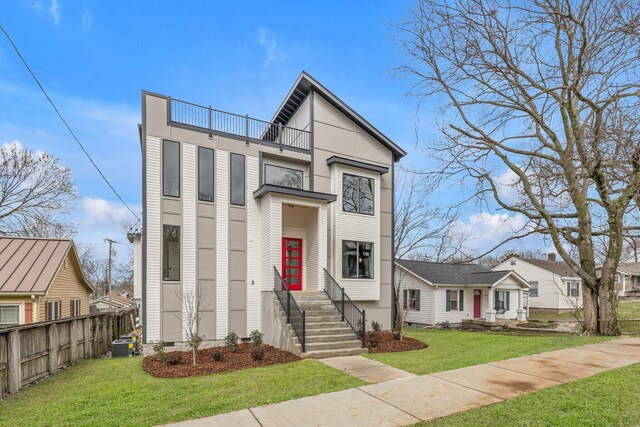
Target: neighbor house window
357,260
171,252
573,288
357,194
171,168
205,174
9,315
75,307
283,177
411,299
533,291
454,300
53,310
502,301
237,179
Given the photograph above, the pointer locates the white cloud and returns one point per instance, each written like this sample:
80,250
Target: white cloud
86,17
101,213
272,52
54,10
507,185
484,230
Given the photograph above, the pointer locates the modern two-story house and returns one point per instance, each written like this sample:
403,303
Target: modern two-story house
234,207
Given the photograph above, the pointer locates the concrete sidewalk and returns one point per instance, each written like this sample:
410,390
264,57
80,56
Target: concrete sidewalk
409,400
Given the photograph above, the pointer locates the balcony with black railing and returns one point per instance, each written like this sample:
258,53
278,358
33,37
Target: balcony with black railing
210,120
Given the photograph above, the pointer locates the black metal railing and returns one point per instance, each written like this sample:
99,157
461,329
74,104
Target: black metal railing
349,311
211,120
295,317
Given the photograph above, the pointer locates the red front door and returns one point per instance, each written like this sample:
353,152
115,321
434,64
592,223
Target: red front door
477,302
292,263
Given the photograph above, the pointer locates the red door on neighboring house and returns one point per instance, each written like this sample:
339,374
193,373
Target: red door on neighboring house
292,262
477,303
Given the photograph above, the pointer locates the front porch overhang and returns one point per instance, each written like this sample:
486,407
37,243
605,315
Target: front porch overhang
265,189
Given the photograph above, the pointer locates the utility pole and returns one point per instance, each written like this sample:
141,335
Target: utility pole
111,254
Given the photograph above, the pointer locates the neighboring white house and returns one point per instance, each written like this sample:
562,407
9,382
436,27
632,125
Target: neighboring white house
555,287
433,293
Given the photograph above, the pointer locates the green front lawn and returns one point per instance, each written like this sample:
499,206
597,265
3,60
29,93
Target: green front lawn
606,399
452,349
118,392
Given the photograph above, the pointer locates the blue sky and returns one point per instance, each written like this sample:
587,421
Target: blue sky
94,59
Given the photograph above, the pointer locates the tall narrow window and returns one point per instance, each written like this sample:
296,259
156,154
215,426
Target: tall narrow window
171,168
75,307
171,252
357,260
357,194
53,310
205,174
533,291
237,179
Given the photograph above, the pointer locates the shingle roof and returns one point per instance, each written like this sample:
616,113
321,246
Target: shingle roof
630,268
453,274
560,268
29,265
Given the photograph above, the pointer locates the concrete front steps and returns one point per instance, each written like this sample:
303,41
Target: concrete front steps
326,334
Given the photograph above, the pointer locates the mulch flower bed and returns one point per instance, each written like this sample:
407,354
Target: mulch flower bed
388,344
232,361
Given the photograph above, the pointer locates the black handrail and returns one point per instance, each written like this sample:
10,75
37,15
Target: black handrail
211,120
295,317
349,311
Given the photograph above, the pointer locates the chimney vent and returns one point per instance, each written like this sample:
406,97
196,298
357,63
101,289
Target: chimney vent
552,256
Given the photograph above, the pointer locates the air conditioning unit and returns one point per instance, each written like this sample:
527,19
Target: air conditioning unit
122,348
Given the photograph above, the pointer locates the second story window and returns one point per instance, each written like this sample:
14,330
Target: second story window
75,307
283,177
52,310
237,179
205,174
357,260
357,194
171,252
171,168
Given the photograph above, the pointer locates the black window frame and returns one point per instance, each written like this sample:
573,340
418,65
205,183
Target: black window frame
244,179
359,193
164,190
266,180
166,277
371,275
213,174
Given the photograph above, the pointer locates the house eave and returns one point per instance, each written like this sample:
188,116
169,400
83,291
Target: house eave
265,189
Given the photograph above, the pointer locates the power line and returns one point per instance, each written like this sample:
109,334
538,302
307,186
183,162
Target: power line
65,122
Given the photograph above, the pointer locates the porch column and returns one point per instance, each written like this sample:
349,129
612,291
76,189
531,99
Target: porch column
521,312
491,312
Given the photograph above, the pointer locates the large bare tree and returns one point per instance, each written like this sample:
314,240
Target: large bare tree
548,90
34,191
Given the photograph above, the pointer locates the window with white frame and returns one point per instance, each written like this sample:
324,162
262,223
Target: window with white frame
53,310
411,299
9,315
533,290
573,288
75,307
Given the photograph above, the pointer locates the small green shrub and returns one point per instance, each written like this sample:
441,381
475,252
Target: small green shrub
217,356
376,326
158,351
231,341
172,358
257,353
256,338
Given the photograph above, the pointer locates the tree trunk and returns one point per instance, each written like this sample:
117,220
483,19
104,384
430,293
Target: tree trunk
590,307
608,319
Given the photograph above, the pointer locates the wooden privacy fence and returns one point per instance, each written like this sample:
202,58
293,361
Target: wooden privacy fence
29,353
